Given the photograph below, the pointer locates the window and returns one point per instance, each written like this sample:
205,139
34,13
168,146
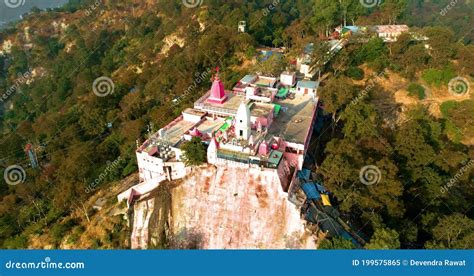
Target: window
241,133
241,121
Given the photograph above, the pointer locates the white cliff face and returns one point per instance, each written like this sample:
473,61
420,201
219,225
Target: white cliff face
237,208
141,219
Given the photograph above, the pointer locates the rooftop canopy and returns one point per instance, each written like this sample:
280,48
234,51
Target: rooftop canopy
307,84
282,92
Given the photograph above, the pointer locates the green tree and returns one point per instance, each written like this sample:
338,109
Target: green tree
194,152
441,45
461,116
336,94
336,243
325,16
392,10
455,231
466,59
384,238
273,66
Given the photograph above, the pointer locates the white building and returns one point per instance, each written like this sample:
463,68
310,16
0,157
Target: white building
307,88
242,124
390,33
288,78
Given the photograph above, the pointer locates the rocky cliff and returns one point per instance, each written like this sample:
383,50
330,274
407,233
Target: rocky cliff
219,208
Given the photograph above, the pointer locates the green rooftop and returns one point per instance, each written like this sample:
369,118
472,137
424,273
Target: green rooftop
274,158
282,92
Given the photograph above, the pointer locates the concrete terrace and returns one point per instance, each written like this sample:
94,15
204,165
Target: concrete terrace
261,109
176,129
295,119
209,126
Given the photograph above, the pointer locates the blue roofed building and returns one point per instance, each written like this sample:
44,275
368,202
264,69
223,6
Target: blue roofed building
305,87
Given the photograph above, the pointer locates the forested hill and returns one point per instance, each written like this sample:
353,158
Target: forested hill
155,58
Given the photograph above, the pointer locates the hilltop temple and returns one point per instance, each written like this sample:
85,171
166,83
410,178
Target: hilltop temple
263,123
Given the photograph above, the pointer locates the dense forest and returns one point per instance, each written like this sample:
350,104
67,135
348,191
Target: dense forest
158,54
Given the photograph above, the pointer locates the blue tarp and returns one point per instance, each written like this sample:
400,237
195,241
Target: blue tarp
310,190
304,174
321,188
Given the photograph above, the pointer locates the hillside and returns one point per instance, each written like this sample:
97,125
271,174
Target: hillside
155,58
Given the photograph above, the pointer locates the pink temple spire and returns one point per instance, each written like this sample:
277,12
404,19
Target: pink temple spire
217,94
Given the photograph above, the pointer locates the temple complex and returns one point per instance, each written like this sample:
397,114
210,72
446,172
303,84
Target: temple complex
263,123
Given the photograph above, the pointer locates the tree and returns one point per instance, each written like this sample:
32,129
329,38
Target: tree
455,231
325,15
273,66
392,10
351,10
336,94
194,152
438,77
411,142
320,54
384,238
441,45
374,52
414,59
336,243
460,116
466,59
360,121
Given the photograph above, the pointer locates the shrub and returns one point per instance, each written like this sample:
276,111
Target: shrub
130,168
59,230
336,243
355,73
414,89
76,234
437,78
17,242
446,106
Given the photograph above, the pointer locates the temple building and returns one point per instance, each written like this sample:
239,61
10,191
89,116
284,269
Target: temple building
262,123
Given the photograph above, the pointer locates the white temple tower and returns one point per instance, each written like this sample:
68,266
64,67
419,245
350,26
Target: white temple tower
212,151
242,122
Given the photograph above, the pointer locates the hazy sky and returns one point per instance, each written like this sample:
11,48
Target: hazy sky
19,7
